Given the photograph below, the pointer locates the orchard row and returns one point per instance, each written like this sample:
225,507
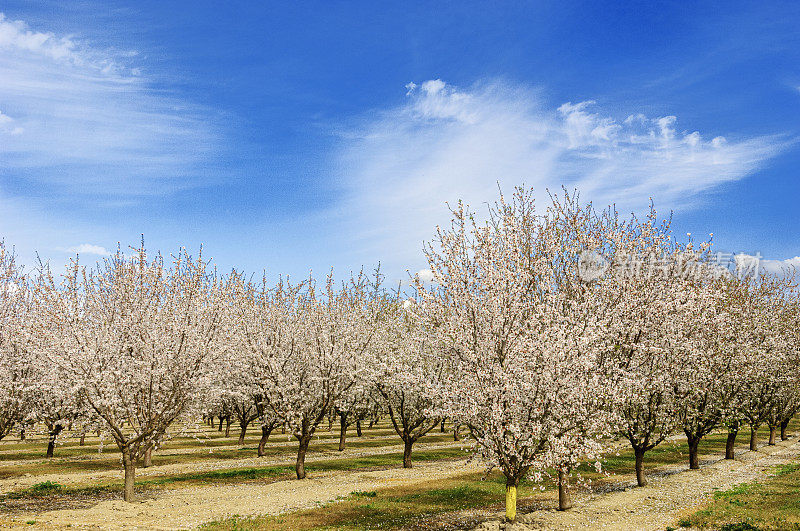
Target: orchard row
531,332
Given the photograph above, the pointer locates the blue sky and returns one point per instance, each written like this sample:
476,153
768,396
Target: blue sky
295,136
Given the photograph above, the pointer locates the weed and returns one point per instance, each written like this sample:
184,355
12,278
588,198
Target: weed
47,487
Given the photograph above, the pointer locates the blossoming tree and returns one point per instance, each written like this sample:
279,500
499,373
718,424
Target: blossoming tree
402,369
16,358
516,345
310,347
134,337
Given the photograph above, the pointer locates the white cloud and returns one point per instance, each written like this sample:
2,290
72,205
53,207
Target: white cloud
7,125
747,264
425,275
790,266
79,119
17,35
400,166
86,248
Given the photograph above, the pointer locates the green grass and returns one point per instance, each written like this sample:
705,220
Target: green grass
365,494
770,504
412,507
46,487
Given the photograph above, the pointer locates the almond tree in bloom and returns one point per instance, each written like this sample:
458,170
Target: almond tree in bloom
243,399
789,402
643,281
134,338
309,346
516,345
784,358
578,310
704,362
734,342
238,383
402,372
239,389
54,403
352,408
16,358
770,348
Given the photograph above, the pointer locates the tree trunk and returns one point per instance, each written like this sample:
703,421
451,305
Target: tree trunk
22,433
694,461
441,426
753,439
211,421
358,428
640,478
219,426
242,433
784,425
262,443
300,466
772,433
511,499
342,430
82,440
730,443
457,437
147,460
407,444
564,498
51,443
228,427
130,474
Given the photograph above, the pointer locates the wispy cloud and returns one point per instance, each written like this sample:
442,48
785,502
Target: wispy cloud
445,143
86,248
83,120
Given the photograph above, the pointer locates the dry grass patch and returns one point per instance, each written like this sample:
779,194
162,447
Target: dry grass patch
771,504
415,507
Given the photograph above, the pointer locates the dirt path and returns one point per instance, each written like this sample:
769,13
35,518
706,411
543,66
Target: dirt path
187,508
665,499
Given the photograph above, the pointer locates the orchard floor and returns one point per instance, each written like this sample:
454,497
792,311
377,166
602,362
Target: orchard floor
191,507
667,498
368,466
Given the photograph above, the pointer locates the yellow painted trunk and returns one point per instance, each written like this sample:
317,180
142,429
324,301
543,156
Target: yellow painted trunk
511,503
